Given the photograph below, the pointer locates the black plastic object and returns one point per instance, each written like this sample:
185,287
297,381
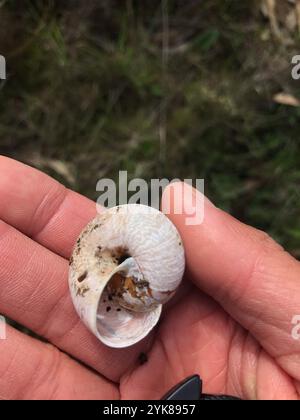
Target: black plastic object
207,397
191,390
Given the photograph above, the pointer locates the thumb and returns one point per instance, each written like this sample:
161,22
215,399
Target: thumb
242,268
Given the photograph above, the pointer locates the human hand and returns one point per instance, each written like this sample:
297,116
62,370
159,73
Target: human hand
230,322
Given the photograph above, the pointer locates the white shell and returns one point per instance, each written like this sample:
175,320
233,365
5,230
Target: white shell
127,262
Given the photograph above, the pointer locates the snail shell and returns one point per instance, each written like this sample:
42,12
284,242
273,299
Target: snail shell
127,262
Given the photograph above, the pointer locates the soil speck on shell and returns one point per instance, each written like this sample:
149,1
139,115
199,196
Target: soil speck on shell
82,277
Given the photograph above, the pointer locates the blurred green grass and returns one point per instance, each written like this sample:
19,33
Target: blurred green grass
160,89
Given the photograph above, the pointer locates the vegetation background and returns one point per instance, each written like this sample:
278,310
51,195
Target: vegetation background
160,88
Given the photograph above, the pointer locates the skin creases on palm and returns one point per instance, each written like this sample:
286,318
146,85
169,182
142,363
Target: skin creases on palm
197,336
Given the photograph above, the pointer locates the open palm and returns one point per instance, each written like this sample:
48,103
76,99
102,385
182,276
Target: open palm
231,321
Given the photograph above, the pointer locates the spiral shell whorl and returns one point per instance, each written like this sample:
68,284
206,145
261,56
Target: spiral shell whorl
136,252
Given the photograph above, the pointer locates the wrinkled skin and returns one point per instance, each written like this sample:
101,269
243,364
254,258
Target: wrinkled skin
231,321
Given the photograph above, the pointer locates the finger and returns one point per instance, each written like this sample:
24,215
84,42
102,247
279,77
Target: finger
245,271
30,369
34,292
198,337
41,207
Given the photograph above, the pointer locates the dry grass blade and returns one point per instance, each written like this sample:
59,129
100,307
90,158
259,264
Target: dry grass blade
286,99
